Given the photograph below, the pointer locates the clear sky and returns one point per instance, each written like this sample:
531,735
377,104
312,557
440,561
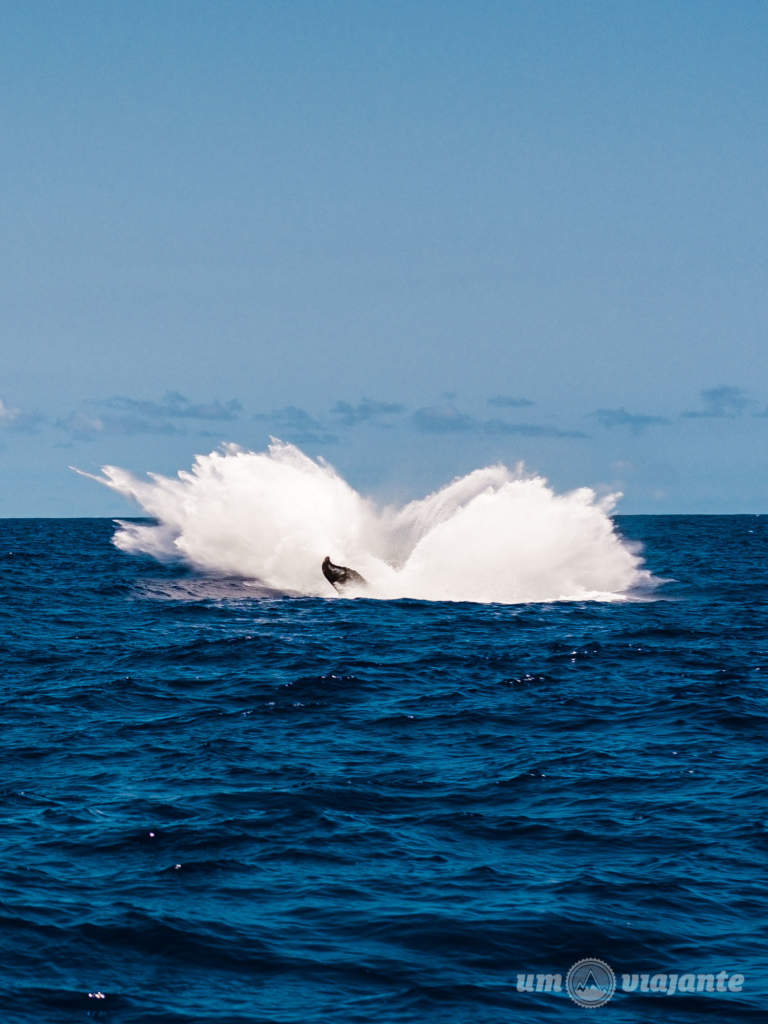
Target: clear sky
413,237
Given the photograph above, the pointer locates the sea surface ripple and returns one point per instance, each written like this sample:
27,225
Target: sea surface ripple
221,806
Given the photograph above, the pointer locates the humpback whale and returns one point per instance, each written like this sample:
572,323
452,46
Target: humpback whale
339,575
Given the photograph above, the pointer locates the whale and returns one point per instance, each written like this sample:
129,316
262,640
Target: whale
339,576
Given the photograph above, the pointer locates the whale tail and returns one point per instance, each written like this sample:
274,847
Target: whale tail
339,575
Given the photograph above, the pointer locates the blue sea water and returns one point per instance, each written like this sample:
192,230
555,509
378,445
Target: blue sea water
219,807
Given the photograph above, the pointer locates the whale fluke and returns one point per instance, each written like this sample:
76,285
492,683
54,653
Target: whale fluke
339,575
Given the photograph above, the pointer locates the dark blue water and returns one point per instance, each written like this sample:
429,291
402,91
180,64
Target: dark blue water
220,808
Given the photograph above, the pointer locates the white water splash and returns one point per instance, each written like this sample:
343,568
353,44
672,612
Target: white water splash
494,535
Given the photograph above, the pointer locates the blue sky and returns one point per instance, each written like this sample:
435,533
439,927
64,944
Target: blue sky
413,237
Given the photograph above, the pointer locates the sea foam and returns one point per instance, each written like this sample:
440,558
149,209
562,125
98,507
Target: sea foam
495,535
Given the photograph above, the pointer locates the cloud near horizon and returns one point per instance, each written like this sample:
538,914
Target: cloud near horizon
636,422
173,405
293,424
508,402
366,410
447,419
442,419
18,420
496,426
83,426
121,415
722,402
7,415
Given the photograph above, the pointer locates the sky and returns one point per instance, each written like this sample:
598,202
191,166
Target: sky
413,238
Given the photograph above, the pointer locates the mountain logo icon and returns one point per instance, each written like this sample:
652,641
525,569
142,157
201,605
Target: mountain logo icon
590,983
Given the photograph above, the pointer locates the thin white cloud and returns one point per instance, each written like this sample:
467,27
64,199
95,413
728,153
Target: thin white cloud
7,414
18,420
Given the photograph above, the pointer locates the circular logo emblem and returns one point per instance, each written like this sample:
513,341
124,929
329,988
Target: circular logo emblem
590,983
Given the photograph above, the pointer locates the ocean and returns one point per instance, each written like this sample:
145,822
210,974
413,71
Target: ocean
224,804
